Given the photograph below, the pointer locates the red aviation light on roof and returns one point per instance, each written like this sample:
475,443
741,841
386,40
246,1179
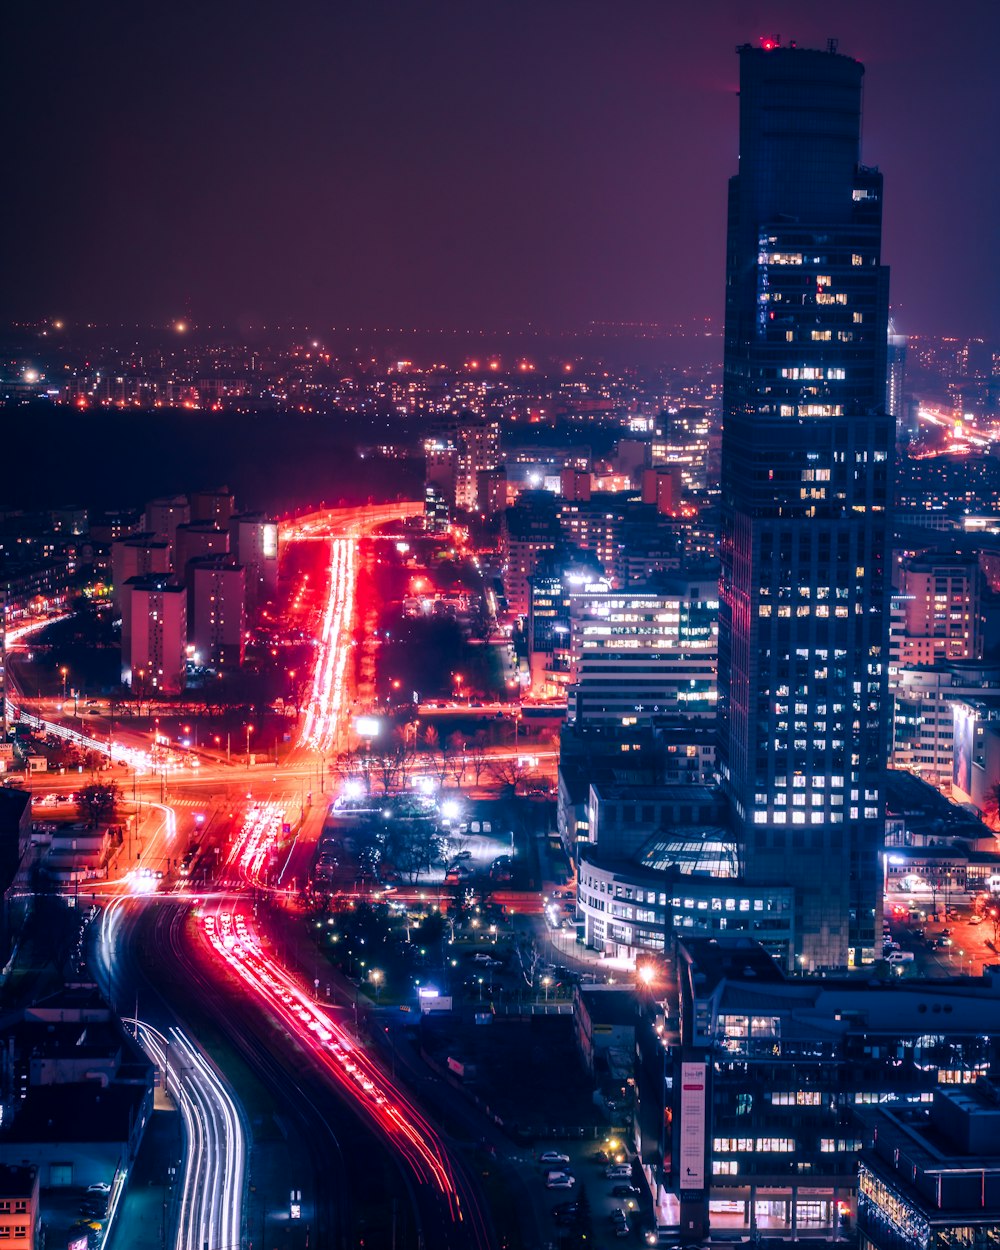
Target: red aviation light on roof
769,42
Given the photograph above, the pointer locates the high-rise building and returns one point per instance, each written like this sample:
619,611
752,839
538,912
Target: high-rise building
895,378
216,611
154,634
941,597
196,539
253,542
806,486
135,557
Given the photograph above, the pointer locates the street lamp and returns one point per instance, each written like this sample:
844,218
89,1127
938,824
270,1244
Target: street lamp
64,671
546,982
249,729
377,976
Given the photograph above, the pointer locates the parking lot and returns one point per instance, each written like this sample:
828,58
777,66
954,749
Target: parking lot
620,1205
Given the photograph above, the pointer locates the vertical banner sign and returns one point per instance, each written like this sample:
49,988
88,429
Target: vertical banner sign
692,1143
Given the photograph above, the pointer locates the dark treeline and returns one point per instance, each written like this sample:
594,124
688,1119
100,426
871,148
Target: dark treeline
272,461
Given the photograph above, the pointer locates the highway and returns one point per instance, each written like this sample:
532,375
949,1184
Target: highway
215,1165
321,1076
447,1206
214,1178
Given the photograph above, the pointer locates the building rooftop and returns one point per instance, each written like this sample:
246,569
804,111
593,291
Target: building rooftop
701,851
81,1112
17,1182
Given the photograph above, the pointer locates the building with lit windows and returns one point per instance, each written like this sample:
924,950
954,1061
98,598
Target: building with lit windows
217,611
942,612
806,485
930,1179
253,542
645,652
136,556
764,1078
895,378
19,1209
154,634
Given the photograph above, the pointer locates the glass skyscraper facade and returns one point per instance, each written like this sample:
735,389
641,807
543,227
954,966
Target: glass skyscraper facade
806,489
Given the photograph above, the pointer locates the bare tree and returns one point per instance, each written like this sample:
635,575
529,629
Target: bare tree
476,754
457,761
509,773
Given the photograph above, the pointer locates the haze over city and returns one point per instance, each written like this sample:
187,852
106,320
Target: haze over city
500,627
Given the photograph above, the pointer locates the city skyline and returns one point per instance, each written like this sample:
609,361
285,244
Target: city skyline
510,168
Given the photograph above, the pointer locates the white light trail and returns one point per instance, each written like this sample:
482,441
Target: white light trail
211,1202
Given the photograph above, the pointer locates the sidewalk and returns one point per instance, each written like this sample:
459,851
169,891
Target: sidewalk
148,1211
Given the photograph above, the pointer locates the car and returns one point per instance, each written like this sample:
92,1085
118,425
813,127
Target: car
946,933
559,1180
624,1191
618,1216
553,1156
622,1229
566,1208
463,855
99,1187
976,919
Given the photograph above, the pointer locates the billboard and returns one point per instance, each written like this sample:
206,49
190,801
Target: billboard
691,1161
965,729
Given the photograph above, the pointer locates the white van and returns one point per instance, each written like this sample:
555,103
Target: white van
899,957
618,1172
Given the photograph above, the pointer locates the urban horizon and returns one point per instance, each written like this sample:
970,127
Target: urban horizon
529,788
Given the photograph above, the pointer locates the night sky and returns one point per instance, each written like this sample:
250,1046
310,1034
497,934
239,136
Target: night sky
469,163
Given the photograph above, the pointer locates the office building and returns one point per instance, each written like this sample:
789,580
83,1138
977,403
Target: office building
806,485
646,652
895,381
529,529
930,1178
491,491
785,1066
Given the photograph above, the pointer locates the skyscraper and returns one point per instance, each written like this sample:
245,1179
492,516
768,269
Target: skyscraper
806,479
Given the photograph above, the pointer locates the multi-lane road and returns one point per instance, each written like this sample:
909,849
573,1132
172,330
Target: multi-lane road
221,967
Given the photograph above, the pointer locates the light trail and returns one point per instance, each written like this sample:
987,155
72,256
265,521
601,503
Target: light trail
257,838
336,1052
211,1203
13,636
138,760
327,699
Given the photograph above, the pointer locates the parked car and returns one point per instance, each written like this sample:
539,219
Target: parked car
553,1156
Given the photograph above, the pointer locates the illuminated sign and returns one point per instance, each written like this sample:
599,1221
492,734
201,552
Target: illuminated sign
692,1140
270,541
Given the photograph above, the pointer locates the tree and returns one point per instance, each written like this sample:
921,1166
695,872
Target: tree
456,760
509,773
97,801
476,754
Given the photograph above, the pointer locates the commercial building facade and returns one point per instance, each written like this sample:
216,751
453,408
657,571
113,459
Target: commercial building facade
806,471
